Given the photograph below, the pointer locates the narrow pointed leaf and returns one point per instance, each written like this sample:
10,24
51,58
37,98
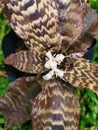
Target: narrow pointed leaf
26,61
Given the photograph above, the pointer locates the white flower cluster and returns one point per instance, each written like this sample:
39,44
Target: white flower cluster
51,64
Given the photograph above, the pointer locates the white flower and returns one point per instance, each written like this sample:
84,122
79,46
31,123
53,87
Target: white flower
49,75
52,63
59,58
59,73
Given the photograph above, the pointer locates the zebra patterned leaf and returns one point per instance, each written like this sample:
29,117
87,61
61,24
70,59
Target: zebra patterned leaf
72,26
83,74
16,102
26,61
55,108
34,21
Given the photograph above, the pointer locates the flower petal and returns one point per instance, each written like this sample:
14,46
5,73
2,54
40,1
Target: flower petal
49,55
49,75
59,73
50,64
59,58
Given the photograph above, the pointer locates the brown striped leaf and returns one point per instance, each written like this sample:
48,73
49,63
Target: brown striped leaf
86,38
37,27
26,61
72,27
83,74
16,101
90,30
55,108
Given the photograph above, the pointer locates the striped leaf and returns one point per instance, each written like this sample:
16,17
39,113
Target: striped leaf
34,21
55,108
71,21
83,74
86,39
16,101
26,61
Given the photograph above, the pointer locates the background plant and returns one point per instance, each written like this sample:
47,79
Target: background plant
88,100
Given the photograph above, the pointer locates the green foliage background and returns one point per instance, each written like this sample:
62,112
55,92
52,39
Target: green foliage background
88,99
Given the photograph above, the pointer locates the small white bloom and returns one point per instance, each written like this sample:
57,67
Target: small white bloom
49,75
52,63
48,64
49,55
59,73
59,58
